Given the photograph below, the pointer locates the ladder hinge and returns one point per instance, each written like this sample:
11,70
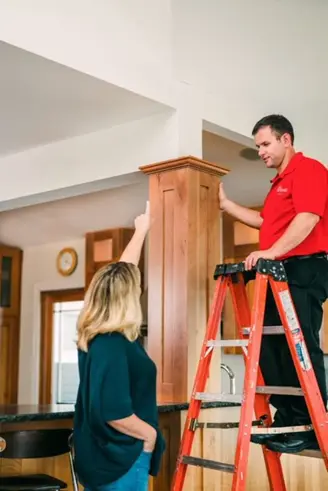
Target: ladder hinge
193,424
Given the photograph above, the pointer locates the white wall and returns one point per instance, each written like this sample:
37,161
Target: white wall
244,59
40,274
125,42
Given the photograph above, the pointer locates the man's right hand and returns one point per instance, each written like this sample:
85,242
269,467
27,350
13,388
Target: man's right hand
249,217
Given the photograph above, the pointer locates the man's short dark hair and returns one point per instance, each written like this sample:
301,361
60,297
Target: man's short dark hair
279,125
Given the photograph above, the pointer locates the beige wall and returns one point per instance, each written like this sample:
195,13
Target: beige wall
40,274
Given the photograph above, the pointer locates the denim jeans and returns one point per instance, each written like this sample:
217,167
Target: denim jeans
136,479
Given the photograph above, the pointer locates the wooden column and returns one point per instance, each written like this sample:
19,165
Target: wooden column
184,247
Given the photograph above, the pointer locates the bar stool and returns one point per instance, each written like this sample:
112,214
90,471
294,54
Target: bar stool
35,444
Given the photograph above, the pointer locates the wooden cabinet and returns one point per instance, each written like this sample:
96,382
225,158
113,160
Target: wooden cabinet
10,280
102,247
105,246
9,355
10,290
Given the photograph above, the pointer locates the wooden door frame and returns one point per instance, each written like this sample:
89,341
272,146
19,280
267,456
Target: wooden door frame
11,371
48,298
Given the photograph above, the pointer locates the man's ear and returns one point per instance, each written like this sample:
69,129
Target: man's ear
286,140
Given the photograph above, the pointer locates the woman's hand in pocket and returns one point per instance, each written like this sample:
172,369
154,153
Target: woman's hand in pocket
149,443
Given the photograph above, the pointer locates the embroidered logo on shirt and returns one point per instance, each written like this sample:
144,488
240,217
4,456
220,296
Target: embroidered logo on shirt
281,190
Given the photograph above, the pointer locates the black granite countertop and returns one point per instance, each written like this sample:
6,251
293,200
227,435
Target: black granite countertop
19,412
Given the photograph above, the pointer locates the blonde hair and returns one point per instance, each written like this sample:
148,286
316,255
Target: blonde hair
111,304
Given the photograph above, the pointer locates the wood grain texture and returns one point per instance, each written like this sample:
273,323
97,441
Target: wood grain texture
184,247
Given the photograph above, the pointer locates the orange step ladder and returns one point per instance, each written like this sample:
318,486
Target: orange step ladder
255,393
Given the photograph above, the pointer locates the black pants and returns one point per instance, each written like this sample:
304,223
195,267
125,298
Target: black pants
308,284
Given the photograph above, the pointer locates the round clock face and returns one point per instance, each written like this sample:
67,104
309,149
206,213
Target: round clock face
66,261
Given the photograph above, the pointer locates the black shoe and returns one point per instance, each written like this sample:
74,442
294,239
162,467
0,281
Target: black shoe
266,438
262,439
292,445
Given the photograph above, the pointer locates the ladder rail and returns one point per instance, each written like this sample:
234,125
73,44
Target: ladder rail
200,381
303,364
253,377
243,318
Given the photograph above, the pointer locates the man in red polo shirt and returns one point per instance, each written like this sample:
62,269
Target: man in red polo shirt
293,228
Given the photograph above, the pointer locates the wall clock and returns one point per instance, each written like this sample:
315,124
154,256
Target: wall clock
67,261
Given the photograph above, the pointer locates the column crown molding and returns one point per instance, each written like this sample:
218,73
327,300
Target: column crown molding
183,162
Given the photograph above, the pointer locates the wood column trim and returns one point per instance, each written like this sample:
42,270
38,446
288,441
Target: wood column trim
182,163
184,247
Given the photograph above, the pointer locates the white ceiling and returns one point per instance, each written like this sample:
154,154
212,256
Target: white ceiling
42,101
71,218
248,181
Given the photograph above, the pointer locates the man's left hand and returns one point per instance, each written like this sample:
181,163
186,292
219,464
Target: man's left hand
251,260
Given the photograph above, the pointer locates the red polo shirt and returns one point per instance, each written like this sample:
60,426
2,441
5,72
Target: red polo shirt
301,187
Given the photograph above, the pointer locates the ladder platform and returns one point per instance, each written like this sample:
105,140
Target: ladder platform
208,464
267,330
267,389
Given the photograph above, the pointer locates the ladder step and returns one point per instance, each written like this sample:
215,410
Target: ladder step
269,430
222,397
218,397
229,343
267,330
257,425
280,391
208,464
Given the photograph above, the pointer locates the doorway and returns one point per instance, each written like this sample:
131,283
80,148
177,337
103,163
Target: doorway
58,354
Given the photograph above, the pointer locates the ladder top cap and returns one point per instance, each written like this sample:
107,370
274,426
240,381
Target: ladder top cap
275,269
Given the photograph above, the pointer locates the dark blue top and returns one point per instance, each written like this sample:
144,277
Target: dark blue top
117,379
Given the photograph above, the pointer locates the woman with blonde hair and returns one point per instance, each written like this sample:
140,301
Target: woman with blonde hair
117,441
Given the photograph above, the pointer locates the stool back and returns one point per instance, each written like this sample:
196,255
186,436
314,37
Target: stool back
34,444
